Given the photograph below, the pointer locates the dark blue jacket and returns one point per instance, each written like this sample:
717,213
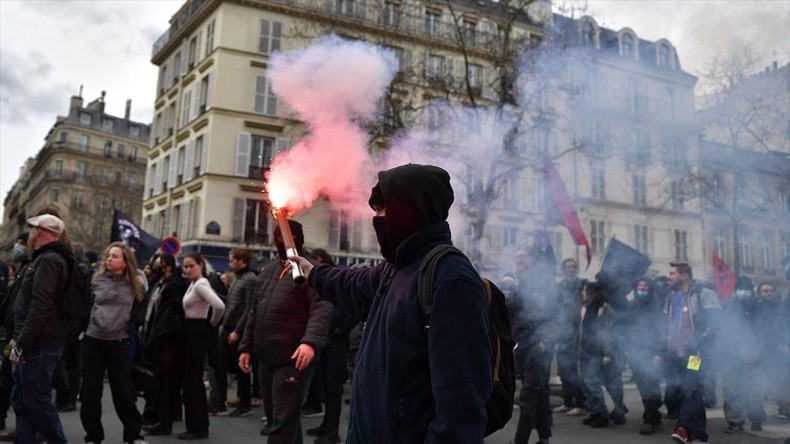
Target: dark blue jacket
410,386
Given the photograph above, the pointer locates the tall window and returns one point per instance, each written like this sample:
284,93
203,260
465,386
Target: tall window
209,37
469,31
198,155
133,153
677,195
768,253
118,177
165,172
205,93
598,185
435,67
176,68
192,52
57,170
677,157
54,194
256,222
270,36
640,189
162,81
339,232
82,170
663,56
78,199
390,15
62,136
85,141
262,153
509,236
627,45
681,245
640,238
640,148
180,168
509,193
476,78
670,98
744,246
432,22
103,176
344,7
108,148
265,100
635,95
720,235
598,235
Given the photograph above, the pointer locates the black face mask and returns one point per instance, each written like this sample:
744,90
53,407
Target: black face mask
157,269
380,226
281,250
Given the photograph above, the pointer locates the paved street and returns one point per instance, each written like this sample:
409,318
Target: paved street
567,430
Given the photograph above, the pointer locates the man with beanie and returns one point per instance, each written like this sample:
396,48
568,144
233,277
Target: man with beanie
287,324
414,383
39,332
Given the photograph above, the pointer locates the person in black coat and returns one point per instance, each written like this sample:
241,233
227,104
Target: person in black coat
161,346
414,384
645,338
286,326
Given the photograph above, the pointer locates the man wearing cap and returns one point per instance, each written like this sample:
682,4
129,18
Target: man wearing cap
39,334
287,324
412,383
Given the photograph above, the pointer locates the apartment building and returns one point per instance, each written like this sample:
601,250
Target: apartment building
217,126
91,162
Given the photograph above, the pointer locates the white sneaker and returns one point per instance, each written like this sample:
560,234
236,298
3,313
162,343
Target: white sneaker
139,441
561,409
576,411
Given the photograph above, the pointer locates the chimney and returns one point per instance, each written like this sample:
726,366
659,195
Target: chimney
128,111
76,101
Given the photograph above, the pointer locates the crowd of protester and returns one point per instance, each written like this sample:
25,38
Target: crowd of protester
169,332
672,329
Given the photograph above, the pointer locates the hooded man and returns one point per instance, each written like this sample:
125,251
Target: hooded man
286,325
413,384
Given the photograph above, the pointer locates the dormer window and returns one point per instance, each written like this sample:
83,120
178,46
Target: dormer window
664,56
627,45
587,33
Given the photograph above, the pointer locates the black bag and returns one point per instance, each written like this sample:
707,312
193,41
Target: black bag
75,305
500,404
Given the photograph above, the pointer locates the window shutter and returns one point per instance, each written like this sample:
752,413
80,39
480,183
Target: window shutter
184,56
209,89
183,223
167,229
243,141
189,161
194,209
197,48
362,9
171,175
238,219
259,100
158,179
203,154
147,181
154,228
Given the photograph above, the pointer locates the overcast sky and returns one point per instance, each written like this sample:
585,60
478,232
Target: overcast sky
49,48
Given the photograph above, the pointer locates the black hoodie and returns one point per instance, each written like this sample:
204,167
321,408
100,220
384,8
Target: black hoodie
37,322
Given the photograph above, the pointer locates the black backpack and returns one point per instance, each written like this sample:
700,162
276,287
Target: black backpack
77,301
500,405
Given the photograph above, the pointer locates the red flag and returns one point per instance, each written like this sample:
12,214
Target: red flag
561,200
723,278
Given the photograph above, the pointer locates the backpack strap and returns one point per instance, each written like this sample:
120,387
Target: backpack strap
498,351
427,275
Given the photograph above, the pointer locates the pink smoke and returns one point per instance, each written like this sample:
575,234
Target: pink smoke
331,85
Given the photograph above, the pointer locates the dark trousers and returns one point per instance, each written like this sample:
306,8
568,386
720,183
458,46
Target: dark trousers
67,376
743,394
685,394
113,357
31,397
6,383
227,362
288,388
647,376
534,397
168,395
195,347
335,373
568,371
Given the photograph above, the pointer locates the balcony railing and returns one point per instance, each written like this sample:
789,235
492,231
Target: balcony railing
370,13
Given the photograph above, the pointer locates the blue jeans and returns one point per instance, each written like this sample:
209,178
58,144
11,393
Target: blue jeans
31,397
593,377
689,390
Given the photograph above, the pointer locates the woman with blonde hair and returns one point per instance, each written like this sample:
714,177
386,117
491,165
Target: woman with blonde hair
116,290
